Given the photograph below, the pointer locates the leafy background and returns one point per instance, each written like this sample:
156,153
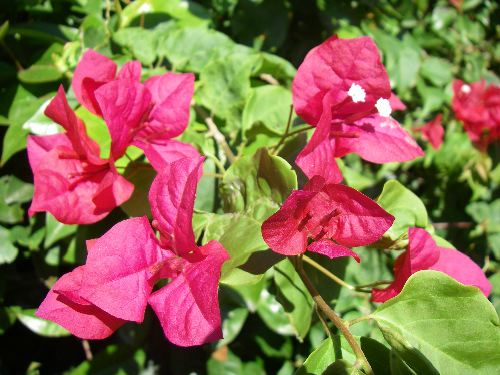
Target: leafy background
244,54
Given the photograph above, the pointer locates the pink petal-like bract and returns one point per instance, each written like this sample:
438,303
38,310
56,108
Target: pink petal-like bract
424,254
71,189
122,268
188,307
162,153
83,320
171,94
325,212
333,67
459,266
125,104
60,112
172,197
92,71
396,103
376,139
478,107
131,70
318,157
332,250
433,131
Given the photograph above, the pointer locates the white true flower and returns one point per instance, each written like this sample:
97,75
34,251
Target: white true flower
383,107
357,93
465,89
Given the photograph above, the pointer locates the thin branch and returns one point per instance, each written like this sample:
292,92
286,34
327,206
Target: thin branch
214,132
269,79
13,57
327,273
285,134
87,350
214,175
336,320
458,224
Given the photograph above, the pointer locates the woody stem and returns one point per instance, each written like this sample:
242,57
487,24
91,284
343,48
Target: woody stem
336,320
216,134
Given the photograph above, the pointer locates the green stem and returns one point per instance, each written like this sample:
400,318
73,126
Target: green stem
327,273
336,320
275,148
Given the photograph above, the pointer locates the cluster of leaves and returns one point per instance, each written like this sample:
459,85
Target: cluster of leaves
243,53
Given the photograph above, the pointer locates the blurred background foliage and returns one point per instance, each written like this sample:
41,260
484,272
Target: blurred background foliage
244,54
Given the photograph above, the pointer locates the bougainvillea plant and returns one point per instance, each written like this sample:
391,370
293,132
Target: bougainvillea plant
176,262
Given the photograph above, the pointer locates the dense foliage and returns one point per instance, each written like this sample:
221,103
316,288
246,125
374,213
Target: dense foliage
262,218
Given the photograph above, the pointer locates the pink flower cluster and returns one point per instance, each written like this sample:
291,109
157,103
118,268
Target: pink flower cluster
477,105
343,90
73,183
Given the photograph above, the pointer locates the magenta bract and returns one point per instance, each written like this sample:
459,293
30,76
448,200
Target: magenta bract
325,218
71,181
342,88
125,263
424,254
433,131
478,107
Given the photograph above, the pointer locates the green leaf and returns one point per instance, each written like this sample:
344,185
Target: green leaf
96,129
454,326
224,361
319,360
189,12
140,42
192,48
22,108
251,180
225,86
39,74
95,33
40,326
294,297
437,70
8,252
141,175
261,22
269,105
114,359
3,30
240,235
56,231
405,206
39,124
13,192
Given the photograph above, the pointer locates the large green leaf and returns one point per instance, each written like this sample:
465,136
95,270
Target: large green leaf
254,180
13,192
294,297
454,326
8,252
140,42
40,326
56,231
225,86
405,206
240,235
25,104
189,12
191,49
269,105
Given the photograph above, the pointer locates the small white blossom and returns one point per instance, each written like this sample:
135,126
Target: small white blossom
383,107
357,93
465,89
